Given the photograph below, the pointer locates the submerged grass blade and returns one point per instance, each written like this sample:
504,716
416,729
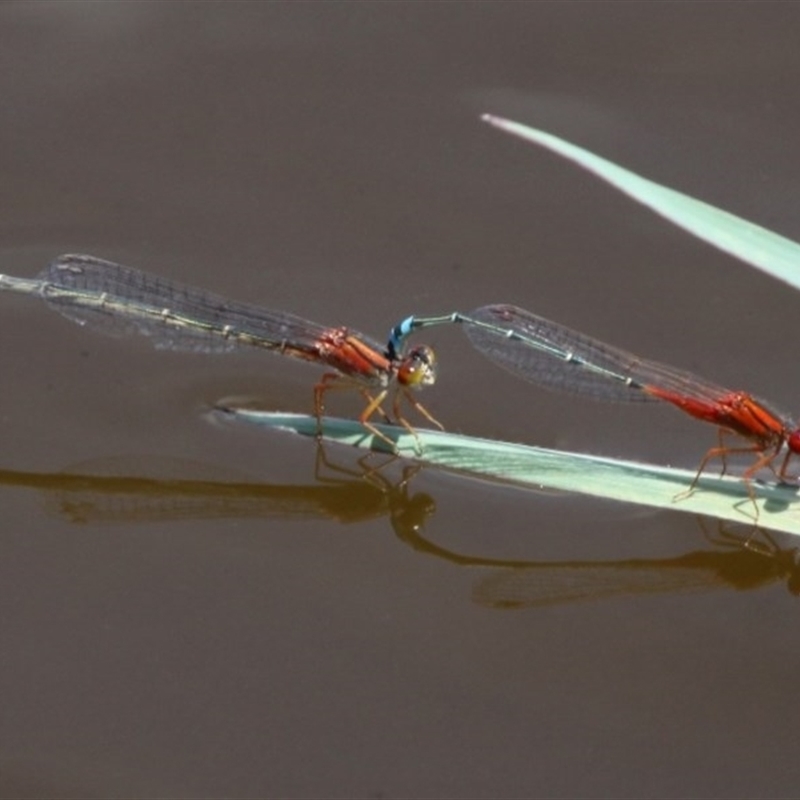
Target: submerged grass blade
768,251
537,468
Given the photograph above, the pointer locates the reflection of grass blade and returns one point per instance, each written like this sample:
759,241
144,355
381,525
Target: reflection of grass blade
534,467
770,252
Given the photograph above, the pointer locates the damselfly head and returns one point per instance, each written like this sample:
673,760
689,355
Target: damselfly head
417,368
793,441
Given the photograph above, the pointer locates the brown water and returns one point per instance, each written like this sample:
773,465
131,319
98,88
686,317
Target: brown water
192,609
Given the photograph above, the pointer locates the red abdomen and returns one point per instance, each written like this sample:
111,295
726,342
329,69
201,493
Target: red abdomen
736,411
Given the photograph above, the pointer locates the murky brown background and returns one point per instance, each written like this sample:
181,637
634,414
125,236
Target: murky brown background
186,610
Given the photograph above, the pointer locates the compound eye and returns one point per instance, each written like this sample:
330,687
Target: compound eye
418,368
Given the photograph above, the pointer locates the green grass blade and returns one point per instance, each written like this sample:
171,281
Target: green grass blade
538,468
768,251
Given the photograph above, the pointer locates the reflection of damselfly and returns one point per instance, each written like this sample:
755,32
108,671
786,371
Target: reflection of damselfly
745,565
734,562
120,300
557,357
146,489
141,490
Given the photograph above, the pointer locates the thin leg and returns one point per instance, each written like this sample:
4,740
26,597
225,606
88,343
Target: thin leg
321,461
782,476
398,415
758,541
372,474
327,381
765,461
766,457
368,412
332,380
417,405
722,453
370,399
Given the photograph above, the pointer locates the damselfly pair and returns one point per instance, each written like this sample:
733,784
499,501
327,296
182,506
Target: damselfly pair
119,300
